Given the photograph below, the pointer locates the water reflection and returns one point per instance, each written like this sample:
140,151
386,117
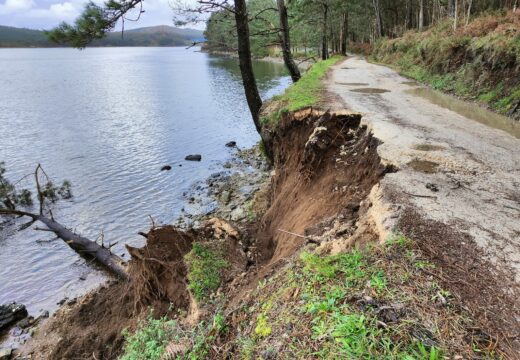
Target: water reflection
471,111
107,119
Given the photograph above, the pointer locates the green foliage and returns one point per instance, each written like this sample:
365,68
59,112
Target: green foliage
307,92
328,281
221,30
10,197
262,329
472,63
150,339
204,266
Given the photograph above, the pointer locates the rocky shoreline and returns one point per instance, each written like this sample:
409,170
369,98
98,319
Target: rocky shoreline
230,194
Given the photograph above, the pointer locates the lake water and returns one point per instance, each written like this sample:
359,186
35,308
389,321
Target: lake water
108,119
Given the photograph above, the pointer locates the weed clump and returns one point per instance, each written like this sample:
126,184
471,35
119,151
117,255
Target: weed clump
307,92
205,263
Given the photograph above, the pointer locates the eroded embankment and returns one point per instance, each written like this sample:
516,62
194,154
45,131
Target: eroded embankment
297,282
326,164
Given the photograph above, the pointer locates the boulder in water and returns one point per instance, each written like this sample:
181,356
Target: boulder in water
166,168
231,144
195,157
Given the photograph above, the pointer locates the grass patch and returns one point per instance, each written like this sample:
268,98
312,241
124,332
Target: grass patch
162,338
376,303
149,340
308,91
204,266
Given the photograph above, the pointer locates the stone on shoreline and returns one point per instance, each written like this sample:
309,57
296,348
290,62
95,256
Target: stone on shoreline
231,144
11,313
194,157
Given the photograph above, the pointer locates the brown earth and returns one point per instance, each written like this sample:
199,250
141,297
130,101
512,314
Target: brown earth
325,192
311,185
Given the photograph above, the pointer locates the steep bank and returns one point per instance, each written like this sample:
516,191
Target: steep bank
479,61
337,265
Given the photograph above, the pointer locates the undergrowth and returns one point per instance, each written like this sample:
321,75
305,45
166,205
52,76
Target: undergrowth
204,266
381,302
307,92
480,61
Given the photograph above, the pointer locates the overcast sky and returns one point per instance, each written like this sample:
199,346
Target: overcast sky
44,14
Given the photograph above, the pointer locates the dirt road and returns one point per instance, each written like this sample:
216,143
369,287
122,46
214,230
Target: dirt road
452,170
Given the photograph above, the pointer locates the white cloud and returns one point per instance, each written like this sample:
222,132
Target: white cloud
13,6
66,11
45,14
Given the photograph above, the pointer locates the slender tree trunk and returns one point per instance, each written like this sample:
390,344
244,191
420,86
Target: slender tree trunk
421,15
246,69
455,15
324,40
344,33
286,42
451,8
408,16
469,11
379,19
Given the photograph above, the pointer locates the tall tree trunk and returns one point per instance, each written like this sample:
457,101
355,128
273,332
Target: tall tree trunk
451,8
456,14
246,70
421,15
344,33
324,40
286,42
469,11
408,16
379,19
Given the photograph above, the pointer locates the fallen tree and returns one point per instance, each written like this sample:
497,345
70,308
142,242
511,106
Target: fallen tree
83,246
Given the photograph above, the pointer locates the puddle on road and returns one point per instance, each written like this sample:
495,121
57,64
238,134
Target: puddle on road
428,147
469,110
425,166
351,84
370,90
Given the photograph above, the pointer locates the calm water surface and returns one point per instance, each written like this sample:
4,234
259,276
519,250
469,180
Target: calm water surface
107,119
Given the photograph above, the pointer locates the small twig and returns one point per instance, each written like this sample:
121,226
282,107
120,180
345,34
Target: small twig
421,196
309,240
42,229
153,222
511,207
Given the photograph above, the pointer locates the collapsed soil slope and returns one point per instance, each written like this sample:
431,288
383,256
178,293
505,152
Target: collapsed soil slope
331,192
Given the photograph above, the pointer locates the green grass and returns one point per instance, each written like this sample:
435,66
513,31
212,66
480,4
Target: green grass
307,92
149,340
204,266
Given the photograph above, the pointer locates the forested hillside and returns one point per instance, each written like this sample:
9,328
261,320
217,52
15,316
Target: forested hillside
149,36
479,61
469,48
314,21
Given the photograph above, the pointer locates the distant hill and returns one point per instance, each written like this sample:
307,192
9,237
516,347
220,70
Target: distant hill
162,35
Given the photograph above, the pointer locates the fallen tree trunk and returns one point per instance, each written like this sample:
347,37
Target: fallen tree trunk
82,245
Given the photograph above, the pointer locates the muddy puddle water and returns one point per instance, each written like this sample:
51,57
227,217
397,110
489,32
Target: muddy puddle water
370,90
469,110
